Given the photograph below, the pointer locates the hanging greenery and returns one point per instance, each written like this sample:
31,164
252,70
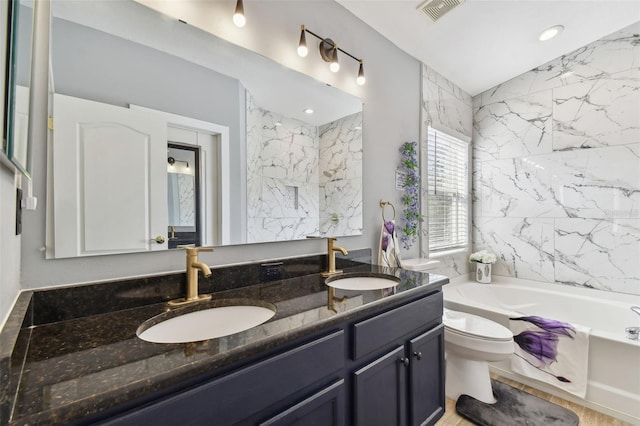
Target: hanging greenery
411,197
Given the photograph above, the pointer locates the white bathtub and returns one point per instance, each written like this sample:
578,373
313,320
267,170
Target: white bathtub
614,361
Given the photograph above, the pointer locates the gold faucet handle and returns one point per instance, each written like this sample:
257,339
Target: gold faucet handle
193,251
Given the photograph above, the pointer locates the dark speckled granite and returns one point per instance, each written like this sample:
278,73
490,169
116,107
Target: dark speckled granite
83,356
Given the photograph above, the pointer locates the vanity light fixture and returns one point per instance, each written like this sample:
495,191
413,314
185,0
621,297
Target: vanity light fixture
550,32
238,15
329,53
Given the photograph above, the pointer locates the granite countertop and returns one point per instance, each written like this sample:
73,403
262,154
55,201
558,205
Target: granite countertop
68,366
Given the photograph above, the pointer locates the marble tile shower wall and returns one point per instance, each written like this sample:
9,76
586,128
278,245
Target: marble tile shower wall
282,190
446,107
341,176
556,164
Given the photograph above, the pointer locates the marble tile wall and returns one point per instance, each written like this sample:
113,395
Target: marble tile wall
315,188
341,176
282,190
556,159
447,108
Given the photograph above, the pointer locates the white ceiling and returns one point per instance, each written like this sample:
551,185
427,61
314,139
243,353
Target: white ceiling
482,43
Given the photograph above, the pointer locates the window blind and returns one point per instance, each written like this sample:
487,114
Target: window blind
447,191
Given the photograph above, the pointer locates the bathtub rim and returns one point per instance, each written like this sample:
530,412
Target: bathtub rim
623,300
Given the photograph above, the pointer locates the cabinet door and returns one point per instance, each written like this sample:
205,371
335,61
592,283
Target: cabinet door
380,391
426,377
325,408
245,392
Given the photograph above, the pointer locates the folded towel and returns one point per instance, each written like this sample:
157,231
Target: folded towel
551,351
389,252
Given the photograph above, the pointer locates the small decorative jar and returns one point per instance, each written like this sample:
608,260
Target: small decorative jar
483,272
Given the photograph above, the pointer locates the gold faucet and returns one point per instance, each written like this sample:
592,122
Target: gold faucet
192,277
331,257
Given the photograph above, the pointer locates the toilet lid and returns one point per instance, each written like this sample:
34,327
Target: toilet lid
473,325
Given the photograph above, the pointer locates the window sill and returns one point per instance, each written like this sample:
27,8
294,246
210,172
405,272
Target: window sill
439,254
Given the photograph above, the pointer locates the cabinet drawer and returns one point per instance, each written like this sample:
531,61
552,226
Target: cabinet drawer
381,330
238,395
325,408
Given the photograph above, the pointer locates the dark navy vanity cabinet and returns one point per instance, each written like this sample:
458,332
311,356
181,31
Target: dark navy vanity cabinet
380,368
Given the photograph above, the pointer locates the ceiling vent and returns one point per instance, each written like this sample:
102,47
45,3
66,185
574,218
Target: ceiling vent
436,9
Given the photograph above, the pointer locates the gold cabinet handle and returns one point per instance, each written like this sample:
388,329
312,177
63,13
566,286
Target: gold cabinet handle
159,239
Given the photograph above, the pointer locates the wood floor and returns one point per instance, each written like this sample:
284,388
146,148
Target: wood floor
588,417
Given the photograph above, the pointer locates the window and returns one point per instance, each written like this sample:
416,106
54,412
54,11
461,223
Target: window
447,191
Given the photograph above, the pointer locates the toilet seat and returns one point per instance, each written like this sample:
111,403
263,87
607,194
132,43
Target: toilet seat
469,325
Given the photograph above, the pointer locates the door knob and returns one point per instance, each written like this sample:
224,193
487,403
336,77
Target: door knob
159,239
418,355
404,361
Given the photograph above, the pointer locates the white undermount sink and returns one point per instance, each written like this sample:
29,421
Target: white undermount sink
362,281
204,324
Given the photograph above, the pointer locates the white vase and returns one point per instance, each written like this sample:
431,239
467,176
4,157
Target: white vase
483,272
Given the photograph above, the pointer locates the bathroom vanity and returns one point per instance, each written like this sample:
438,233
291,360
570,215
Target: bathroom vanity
326,357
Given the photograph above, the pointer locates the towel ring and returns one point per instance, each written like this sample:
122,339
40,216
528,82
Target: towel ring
383,204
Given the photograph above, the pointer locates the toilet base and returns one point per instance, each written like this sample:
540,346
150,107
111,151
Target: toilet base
469,377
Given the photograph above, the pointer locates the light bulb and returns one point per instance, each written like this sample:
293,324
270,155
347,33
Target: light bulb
361,79
302,46
335,65
238,17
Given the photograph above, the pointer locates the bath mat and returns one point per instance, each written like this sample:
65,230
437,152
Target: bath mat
514,408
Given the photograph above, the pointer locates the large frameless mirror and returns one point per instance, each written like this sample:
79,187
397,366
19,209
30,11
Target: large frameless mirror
132,87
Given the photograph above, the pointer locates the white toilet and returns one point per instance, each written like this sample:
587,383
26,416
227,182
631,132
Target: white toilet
471,342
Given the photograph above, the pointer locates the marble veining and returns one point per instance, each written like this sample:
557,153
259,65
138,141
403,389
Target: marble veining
601,254
596,113
443,109
513,128
525,246
556,180
341,176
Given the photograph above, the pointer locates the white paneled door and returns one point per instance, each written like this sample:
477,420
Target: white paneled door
109,179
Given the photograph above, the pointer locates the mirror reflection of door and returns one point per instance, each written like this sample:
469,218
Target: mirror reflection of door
183,192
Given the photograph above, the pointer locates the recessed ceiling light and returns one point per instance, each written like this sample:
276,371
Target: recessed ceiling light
550,32
308,111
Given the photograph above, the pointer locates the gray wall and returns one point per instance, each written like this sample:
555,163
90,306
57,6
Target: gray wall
391,116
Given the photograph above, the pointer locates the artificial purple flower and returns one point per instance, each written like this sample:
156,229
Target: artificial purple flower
390,227
552,326
540,344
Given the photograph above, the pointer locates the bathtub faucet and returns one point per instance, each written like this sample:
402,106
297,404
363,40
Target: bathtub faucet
633,332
